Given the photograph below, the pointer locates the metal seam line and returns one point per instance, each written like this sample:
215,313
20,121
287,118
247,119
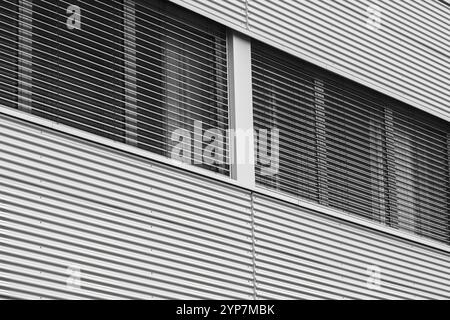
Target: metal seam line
252,215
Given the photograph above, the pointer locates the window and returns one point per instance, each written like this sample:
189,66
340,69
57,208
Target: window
182,80
138,72
421,165
355,150
347,147
284,99
325,135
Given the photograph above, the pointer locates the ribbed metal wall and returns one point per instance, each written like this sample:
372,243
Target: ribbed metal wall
406,58
303,254
135,229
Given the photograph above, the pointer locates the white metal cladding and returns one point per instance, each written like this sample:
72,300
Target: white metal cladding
303,254
406,58
135,229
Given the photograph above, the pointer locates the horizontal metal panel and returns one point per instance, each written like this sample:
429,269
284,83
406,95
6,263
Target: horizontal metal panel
303,254
134,228
397,47
140,230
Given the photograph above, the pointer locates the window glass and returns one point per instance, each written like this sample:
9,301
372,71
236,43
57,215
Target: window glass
181,82
78,64
421,177
356,153
284,98
345,146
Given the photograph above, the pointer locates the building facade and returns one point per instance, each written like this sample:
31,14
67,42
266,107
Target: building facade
224,149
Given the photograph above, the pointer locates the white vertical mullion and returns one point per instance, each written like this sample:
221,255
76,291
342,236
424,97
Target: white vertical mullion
242,137
130,73
24,55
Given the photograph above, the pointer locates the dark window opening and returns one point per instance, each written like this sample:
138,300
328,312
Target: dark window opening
348,147
131,71
182,79
78,74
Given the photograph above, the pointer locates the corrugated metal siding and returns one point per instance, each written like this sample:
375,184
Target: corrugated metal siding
138,229
407,58
303,254
134,228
